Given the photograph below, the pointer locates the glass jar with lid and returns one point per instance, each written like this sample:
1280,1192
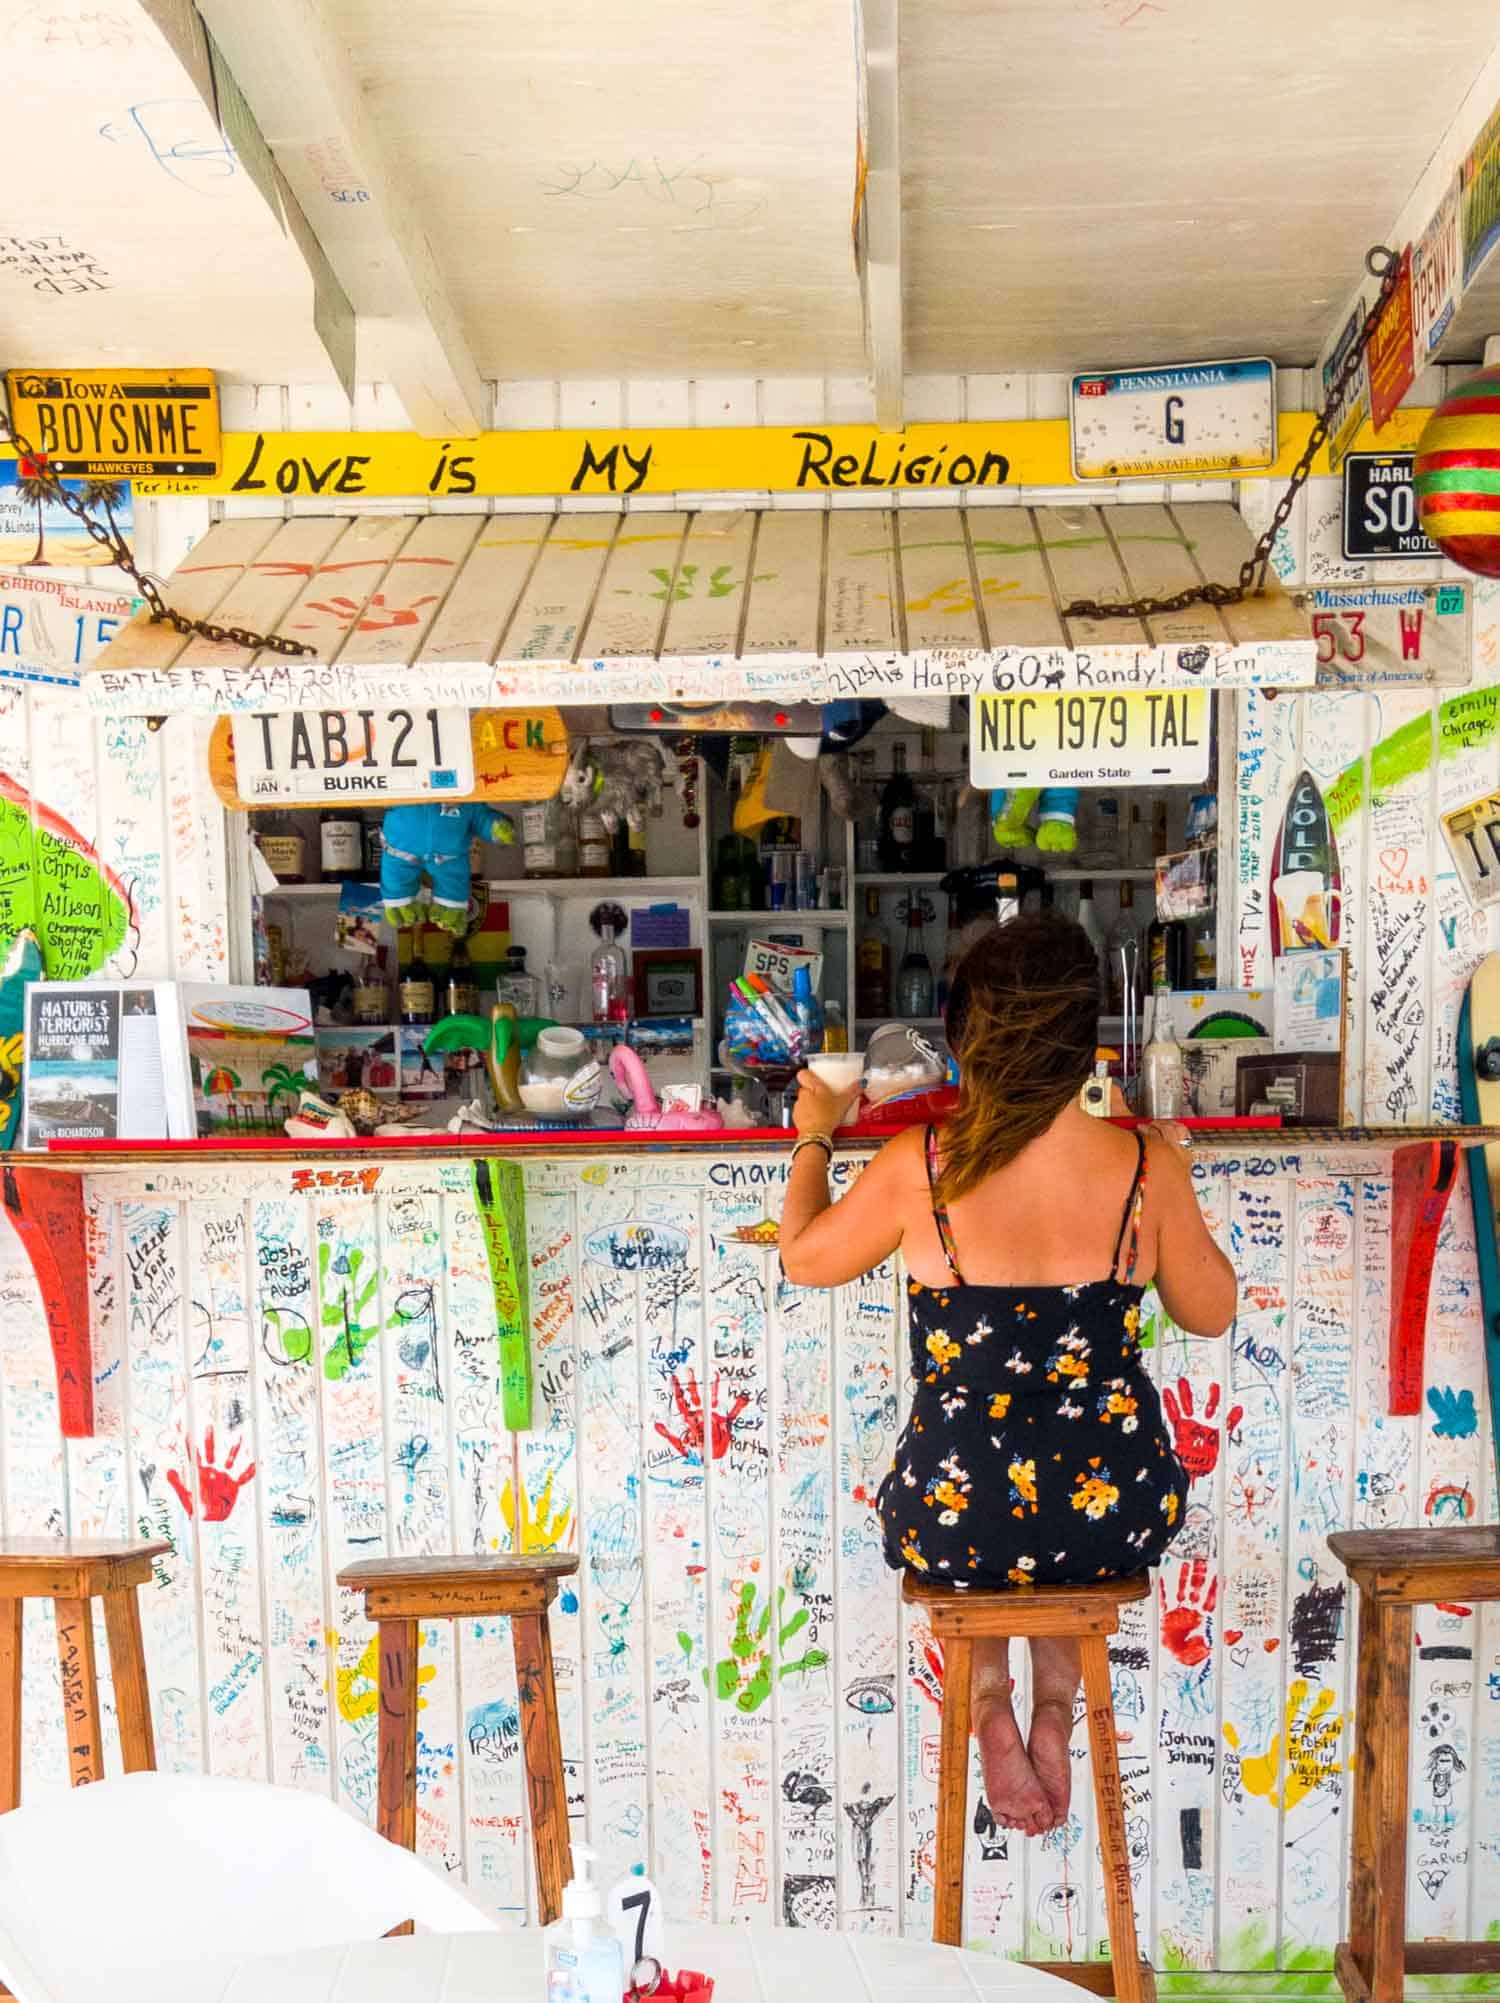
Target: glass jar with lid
560,1077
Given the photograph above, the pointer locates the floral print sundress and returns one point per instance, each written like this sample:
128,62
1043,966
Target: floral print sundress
1035,1452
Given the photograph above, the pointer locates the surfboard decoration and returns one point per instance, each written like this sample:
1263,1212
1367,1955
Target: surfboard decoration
1306,915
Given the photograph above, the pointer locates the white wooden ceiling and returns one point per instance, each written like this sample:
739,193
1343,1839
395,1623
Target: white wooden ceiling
656,190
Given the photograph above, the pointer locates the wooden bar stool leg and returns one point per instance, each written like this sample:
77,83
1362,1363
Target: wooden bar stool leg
127,1663
10,1704
1381,1756
541,1744
953,1791
1134,1983
80,1689
396,1814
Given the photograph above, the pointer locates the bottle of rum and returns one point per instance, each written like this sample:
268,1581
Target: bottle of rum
341,845
914,980
898,816
283,846
872,972
418,990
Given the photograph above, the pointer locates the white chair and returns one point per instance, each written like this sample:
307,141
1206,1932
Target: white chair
105,1888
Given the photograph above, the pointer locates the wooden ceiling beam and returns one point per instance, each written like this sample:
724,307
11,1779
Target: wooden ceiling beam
879,229
300,85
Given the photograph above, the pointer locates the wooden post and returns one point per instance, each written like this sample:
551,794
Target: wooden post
541,1741
953,1791
397,1808
127,1664
80,1689
1381,1778
1133,1982
10,1704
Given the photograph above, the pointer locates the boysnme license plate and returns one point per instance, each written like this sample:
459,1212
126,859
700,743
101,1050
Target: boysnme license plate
1122,737
311,754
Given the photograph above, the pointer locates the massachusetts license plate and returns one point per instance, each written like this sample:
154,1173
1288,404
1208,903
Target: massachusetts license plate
1117,737
341,754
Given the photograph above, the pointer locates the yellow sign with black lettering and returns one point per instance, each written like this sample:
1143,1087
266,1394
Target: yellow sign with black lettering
1089,737
119,424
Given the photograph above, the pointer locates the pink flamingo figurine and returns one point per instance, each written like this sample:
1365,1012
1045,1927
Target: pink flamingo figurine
628,1072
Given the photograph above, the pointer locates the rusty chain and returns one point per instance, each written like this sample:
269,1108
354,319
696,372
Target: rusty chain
1381,263
36,465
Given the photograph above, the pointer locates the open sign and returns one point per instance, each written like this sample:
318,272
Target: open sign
299,756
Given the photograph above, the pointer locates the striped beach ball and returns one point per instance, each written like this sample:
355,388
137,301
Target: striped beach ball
1457,475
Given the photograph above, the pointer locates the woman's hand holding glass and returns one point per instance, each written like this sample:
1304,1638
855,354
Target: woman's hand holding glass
818,1109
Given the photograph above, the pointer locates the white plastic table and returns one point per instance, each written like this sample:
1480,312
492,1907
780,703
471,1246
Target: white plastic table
749,1965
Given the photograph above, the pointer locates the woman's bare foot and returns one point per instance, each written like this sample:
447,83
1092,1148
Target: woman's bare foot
1017,1798
1047,1751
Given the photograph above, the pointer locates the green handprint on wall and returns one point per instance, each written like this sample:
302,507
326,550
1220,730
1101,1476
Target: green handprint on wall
344,1300
745,1675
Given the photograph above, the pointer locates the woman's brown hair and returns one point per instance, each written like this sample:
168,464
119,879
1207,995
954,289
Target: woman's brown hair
1023,1022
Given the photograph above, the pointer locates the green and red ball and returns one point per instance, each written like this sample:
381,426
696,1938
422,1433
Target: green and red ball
1457,475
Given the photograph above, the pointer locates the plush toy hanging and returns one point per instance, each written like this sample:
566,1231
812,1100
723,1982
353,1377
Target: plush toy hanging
622,781
1457,475
433,841
1056,812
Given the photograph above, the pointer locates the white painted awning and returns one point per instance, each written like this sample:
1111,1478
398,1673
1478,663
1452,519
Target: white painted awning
660,607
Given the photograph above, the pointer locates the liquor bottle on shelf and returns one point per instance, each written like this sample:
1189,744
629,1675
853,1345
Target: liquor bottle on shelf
932,809
866,815
607,977
635,847
1161,1064
462,997
1099,843
914,980
898,817
517,986
872,973
539,831
835,1029
341,845
418,991
594,858
372,842
283,847
1166,954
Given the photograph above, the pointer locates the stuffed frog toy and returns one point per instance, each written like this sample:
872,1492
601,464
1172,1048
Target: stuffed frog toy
1056,812
433,841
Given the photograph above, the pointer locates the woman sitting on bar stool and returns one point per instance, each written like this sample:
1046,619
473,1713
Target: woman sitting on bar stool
1035,1453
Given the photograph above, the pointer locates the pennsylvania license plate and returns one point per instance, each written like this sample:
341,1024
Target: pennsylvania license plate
1116,737
305,755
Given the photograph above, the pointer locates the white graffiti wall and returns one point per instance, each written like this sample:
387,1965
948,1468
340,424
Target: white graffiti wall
296,1368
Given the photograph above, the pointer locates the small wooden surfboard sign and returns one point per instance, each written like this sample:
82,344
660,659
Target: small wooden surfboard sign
1305,894
518,754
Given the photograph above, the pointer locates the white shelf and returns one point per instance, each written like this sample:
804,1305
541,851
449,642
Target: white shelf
919,879
906,1021
306,890
542,886
792,920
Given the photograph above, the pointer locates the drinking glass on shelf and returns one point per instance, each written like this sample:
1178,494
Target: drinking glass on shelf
558,995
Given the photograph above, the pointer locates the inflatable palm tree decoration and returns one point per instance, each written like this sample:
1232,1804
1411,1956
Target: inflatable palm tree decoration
499,1039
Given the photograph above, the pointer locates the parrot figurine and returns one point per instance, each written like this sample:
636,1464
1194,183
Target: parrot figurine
1056,812
433,841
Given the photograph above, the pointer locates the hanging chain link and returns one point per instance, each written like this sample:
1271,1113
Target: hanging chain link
1381,263
36,466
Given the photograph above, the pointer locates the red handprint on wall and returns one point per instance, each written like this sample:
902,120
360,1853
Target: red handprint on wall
689,1402
1196,1440
1186,1629
374,617
218,1487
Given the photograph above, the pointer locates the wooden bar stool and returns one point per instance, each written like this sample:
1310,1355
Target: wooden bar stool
70,1574
1091,1614
1396,1570
398,1593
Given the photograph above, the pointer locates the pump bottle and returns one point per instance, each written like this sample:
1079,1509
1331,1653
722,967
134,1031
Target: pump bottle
584,1960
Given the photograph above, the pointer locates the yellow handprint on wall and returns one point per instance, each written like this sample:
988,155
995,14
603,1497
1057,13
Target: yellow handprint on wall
357,1690
1311,1754
533,1525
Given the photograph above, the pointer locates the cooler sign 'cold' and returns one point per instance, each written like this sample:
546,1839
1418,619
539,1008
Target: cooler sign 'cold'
1128,737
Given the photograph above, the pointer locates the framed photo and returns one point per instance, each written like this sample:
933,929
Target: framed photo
668,980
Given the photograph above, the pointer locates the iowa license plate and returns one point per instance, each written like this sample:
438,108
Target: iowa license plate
303,755
1116,737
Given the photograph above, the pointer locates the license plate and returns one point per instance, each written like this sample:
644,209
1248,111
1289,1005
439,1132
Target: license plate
341,754
1473,837
1120,737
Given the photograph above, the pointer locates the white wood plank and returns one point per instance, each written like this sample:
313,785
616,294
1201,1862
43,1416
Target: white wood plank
346,580
1016,597
1083,565
705,613
1220,542
639,580
1156,564
474,619
786,593
554,604
268,583
937,586
202,582
861,590
392,627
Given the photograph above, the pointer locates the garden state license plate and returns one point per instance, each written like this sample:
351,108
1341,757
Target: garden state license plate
303,755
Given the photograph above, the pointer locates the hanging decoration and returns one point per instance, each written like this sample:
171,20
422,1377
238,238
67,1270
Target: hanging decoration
1457,475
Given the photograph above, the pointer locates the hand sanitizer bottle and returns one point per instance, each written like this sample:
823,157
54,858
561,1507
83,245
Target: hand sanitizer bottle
584,1961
